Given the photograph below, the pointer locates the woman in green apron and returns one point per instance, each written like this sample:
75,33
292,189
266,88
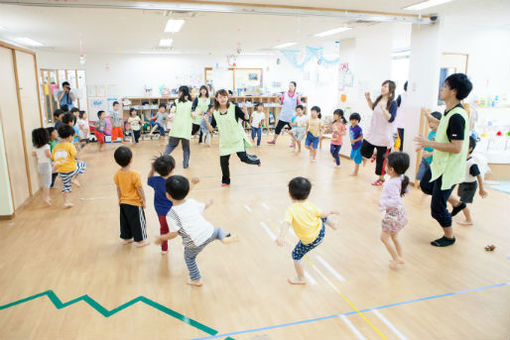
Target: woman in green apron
228,118
201,104
181,127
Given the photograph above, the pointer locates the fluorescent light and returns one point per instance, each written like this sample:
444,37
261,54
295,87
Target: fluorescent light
289,44
173,26
28,42
333,31
426,4
166,42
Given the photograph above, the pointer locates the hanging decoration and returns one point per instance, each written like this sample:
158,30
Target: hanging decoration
83,56
293,57
232,60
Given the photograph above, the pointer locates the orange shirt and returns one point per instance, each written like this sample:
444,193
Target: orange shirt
128,182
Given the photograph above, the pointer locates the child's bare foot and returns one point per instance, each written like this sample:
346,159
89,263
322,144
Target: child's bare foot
296,281
124,242
230,239
465,222
164,252
353,174
196,283
401,261
68,205
75,182
47,201
141,244
393,264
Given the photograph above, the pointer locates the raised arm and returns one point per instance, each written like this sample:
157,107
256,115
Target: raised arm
369,100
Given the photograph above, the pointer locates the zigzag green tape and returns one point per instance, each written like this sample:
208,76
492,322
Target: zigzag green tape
107,313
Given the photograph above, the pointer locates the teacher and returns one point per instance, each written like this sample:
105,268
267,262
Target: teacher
289,102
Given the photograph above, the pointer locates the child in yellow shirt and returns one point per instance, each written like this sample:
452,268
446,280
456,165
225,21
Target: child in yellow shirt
308,222
64,156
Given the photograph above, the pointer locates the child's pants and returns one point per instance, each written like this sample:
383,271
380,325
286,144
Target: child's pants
117,133
136,135
132,223
301,249
190,253
335,150
256,132
67,177
162,231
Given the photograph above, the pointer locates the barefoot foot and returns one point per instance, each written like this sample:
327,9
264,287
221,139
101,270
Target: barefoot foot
196,283
465,222
141,244
124,242
296,281
230,239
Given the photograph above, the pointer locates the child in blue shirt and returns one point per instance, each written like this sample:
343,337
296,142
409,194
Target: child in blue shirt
356,136
427,152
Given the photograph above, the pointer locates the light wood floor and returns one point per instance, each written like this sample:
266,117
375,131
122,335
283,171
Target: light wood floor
76,252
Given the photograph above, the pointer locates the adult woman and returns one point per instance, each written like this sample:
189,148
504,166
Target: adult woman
181,127
289,102
380,132
200,105
228,118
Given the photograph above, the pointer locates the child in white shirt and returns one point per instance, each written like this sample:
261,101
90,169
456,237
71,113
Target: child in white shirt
40,140
256,120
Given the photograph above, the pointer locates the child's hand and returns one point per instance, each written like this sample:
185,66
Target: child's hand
334,212
279,242
158,241
483,193
143,204
244,105
367,95
195,180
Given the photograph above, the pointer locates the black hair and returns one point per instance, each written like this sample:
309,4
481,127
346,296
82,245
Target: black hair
177,187
461,83
99,113
115,103
68,118
472,143
40,137
58,112
405,86
391,88
50,130
162,105
123,156
293,82
317,109
81,114
259,105
203,87
65,131
65,83
74,109
132,110
340,112
299,188
436,115
163,164
184,94
399,162
65,108
300,107
355,116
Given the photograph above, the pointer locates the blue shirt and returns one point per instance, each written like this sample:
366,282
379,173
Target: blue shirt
355,133
161,203
77,131
431,136
66,100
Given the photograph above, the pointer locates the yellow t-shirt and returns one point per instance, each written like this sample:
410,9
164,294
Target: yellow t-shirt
63,155
314,126
128,182
305,219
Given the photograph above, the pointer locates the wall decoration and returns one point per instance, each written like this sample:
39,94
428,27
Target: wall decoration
295,58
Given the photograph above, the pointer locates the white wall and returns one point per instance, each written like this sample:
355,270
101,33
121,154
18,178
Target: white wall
6,206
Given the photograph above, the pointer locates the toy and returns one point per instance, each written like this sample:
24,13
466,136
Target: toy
490,247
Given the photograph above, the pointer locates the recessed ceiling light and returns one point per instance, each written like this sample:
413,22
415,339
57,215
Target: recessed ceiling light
166,42
333,31
173,26
289,44
28,42
426,4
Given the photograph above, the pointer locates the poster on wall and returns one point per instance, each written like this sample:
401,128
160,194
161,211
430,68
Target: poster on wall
443,74
97,104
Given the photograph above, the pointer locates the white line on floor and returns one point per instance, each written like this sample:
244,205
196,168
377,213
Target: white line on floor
265,206
330,269
268,231
310,278
389,324
247,208
96,198
352,328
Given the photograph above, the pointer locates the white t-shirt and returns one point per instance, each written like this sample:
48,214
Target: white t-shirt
300,121
134,122
187,220
83,125
257,117
41,154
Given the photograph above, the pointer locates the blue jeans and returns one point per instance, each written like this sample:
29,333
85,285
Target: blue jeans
256,132
335,150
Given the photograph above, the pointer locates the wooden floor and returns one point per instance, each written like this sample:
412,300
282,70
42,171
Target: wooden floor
75,257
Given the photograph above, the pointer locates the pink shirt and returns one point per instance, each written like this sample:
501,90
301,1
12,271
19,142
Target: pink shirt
337,137
390,197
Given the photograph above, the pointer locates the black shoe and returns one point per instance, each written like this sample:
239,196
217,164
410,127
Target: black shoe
443,242
458,208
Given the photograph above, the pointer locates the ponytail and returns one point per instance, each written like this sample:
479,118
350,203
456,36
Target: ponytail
405,184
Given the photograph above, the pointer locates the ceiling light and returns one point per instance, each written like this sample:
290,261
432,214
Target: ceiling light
289,44
28,42
426,4
333,31
173,26
166,42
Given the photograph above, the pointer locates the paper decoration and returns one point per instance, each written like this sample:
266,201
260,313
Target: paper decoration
295,59
499,133
484,134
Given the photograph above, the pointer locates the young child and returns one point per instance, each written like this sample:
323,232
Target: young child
116,116
70,119
297,133
83,126
57,117
64,155
313,132
356,136
433,121
467,189
161,120
134,123
53,136
40,140
339,130
76,112
100,127
131,199
206,134
308,223
186,219
256,120
391,202
163,166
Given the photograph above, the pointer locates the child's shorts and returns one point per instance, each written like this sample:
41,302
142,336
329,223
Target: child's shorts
298,132
117,133
45,171
356,155
312,140
301,249
99,136
67,177
466,191
394,220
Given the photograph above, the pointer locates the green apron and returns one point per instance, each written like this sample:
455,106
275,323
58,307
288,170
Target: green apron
232,136
202,106
181,125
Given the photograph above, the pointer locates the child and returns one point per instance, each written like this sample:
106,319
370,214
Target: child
134,123
100,127
256,120
40,140
164,166
356,136
308,223
313,132
83,126
186,219
297,133
339,130
53,134
161,120
131,199
467,189
57,115
70,119
76,112
68,168
433,121
391,201
206,135
116,122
